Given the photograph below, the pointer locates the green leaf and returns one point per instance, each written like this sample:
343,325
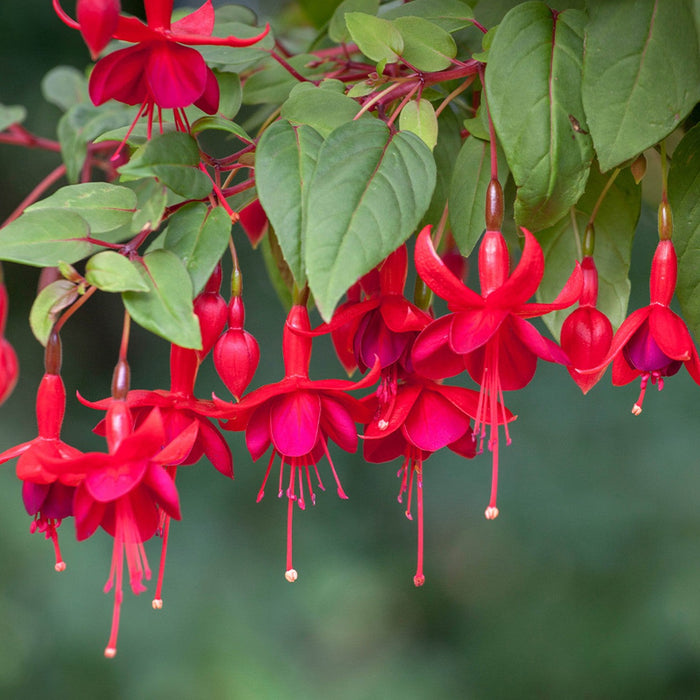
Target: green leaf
65,86
274,83
367,194
471,177
174,159
43,238
112,272
321,108
166,309
84,123
220,124
684,198
104,206
151,198
533,84
50,301
427,47
278,271
641,74
378,39
285,160
615,224
450,15
319,11
234,21
9,115
337,29
445,154
198,235
419,118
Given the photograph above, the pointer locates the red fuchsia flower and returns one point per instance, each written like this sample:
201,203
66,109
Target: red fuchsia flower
161,69
425,417
654,342
487,333
124,490
46,496
9,366
586,333
298,417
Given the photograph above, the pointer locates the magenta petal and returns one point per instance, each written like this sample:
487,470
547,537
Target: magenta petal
374,339
209,101
178,449
145,441
432,356
177,75
120,76
33,496
257,434
146,516
108,484
164,491
471,329
88,513
294,423
622,372
434,422
384,449
401,316
337,423
59,502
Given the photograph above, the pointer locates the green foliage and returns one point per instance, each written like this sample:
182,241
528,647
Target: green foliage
49,302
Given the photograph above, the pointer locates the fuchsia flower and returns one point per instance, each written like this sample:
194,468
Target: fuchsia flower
425,417
586,333
487,333
47,496
653,342
161,68
124,490
298,417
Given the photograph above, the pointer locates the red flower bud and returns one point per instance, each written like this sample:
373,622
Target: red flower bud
254,221
211,310
236,353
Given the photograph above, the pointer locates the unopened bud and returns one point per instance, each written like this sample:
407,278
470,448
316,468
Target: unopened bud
639,168
665,221
494,206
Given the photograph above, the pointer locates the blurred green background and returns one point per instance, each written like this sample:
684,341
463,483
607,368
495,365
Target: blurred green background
586,586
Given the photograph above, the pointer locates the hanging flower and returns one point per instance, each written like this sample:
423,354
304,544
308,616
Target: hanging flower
425,417
487,333
298,417
161,69
653,342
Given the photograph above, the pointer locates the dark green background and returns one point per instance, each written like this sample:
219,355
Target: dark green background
587,585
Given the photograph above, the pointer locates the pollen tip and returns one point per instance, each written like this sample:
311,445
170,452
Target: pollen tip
636,409
110,652
291,575
60,566
157,603
491,513
418,580
408,515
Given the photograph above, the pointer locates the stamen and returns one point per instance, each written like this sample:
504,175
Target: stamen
51,533
341,493
261,493
290,573
311,488
419,578
410,493
637,408
157,602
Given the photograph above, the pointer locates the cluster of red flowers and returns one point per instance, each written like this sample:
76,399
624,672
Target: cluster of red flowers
130,490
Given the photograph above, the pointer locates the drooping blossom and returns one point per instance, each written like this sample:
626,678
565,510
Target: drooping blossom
47,496
586,333
487,333
653,342
298,417
425,417
124,491
161,69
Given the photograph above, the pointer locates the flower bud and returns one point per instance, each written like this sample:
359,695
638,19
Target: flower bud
254,221
211,310
236,353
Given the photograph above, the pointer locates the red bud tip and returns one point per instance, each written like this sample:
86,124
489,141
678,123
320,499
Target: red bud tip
53,354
